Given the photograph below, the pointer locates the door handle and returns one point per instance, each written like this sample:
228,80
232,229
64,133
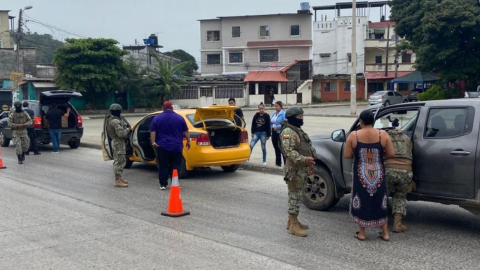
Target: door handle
459,152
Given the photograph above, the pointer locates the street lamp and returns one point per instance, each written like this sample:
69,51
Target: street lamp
28,7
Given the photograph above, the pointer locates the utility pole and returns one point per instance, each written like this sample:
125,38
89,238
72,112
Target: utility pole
388,46
395,85
19,37
353,79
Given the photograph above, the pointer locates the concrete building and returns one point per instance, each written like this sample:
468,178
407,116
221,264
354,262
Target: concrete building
6,25
272,51
332,52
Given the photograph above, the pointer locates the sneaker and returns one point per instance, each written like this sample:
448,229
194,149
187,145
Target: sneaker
265,163
163,188
55,152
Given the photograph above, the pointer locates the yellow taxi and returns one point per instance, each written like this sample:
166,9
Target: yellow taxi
215,140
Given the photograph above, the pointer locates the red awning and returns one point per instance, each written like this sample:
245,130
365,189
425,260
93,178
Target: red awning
265,76
372,75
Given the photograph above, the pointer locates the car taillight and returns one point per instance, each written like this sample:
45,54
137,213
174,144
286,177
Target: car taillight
244,137
79,121
381,97
203,139
37,122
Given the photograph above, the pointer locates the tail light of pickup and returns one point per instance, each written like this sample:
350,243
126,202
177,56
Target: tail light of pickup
37,122
79,121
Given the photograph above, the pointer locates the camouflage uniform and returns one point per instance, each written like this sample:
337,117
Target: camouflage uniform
20,135
118,130
399,176
296,146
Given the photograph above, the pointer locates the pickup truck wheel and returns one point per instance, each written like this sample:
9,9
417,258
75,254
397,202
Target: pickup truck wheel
4,141
319,193
230,169
74,144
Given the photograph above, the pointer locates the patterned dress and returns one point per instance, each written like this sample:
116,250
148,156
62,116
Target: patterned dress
368,205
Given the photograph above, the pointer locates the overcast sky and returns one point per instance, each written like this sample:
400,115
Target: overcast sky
174,21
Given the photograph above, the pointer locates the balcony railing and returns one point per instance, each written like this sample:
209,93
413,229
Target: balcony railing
391,67
379,43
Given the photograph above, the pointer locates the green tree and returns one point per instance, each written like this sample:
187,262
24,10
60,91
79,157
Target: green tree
91,66
45,45
445,35
164,79
183,56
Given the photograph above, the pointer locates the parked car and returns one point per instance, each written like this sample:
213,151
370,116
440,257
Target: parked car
446,147
215,140
386,98
473,94
72,127
413,95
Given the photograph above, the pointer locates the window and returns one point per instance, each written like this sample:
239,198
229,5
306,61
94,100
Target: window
379,35
269,55
347,86
235,57
330,86
213,59
407,121
449,122
236,32
378,59
349,56
264,31
406,58
213,36
295,30
324,55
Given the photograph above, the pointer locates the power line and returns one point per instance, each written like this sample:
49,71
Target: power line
52,26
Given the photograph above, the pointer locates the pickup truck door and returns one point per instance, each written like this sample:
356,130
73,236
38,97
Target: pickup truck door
445,146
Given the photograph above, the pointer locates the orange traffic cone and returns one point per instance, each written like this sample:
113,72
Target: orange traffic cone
1,162
175,208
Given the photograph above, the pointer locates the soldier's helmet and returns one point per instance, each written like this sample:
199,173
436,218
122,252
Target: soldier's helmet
115,107
17,103
293,111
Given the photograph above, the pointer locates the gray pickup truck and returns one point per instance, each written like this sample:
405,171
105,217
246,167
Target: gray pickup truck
446,154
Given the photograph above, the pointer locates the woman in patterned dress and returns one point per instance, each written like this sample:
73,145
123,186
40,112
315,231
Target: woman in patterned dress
369,147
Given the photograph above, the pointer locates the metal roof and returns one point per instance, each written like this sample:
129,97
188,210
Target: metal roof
348,5
259,15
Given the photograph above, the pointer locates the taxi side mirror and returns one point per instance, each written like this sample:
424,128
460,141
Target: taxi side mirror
339,136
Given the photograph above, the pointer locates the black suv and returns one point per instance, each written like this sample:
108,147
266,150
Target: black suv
72,127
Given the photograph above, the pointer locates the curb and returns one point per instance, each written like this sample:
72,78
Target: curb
261,168
245,166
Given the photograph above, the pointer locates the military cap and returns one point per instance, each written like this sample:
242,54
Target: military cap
115,107
17,103
293,111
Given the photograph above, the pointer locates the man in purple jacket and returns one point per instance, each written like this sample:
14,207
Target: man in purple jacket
167,131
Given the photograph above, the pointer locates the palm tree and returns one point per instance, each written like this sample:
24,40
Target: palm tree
166,81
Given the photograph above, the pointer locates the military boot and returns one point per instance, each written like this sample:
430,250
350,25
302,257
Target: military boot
119,182
398,225
295,228
20,159
23,156
303,226
26,153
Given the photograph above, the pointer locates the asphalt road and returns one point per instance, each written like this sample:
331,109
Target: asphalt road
61,211
313,125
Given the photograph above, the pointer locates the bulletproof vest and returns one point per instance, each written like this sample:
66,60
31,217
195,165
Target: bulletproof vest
401,143
110,128
305,147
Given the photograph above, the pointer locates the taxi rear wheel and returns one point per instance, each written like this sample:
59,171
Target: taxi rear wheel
128,164
183,173
230,169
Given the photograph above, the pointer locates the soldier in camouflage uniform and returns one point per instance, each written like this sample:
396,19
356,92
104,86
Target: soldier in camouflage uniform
399,175
18,121
118,130
300,160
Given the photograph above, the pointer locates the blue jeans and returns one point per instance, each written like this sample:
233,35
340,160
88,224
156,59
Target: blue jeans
55,135
262,136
